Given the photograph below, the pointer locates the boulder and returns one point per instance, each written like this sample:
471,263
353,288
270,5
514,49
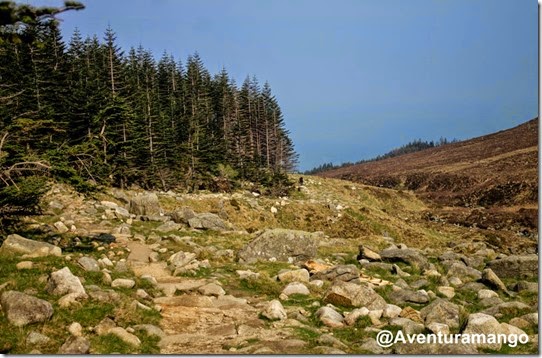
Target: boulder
145,204
208,221
181,259
483,294
123,283
410,256
408,326
150,329
63,282
492,280
19,245
353,295
480,323
408,296
281,244
274,311
465,273
168,226
211,289
75,345
515,266
21,309
351,318
36,339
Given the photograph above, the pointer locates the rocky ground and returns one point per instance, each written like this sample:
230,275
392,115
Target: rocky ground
319,272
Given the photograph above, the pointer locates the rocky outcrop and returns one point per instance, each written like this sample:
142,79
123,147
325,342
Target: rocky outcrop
410,256
208,221
282,245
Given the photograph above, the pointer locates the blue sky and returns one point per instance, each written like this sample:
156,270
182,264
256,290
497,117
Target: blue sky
355,78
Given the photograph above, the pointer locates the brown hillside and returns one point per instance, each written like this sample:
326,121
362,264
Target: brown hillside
498,171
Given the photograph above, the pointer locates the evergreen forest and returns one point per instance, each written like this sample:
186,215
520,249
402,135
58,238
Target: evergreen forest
84,111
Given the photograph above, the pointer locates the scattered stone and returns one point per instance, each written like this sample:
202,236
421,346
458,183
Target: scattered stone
208,221
21,309
375,317
480,323
368,254
125,336
61,227
19,245
464,272
123,283
301,275
150,330
446,291
329,340
71,299
168,226
514,266
211,289
410,256
482,294
274,311
391,311
407,326
89,264
396,270
104,326
181,259
75,329
36,339
455,281
439,328
282,244
411,313
441,311
145,204
346,273
150,279
408,296
182,215
296,288
63,282
25,265
75,345
492,280
352,295
351,318
329,317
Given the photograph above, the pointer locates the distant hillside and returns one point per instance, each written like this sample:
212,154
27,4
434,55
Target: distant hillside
492,170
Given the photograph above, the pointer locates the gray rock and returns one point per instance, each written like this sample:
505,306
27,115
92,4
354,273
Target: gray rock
208,221
145,204
464,272
441,311
525,286
168,226
182,215
211,289
514,266
63,282
408,326
19,245
329,317
125,336
296,288
351,318
36,339
329,340
150,329
123,283
104,326
344,273
391,311
371,345
492,280
75,329
21,309
408,296
482,294
105,296
446,291
480,323
352,295
281,244
75,345
25,265
89,264
274,311
410,256
181,259
61,227
300,275
508,308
